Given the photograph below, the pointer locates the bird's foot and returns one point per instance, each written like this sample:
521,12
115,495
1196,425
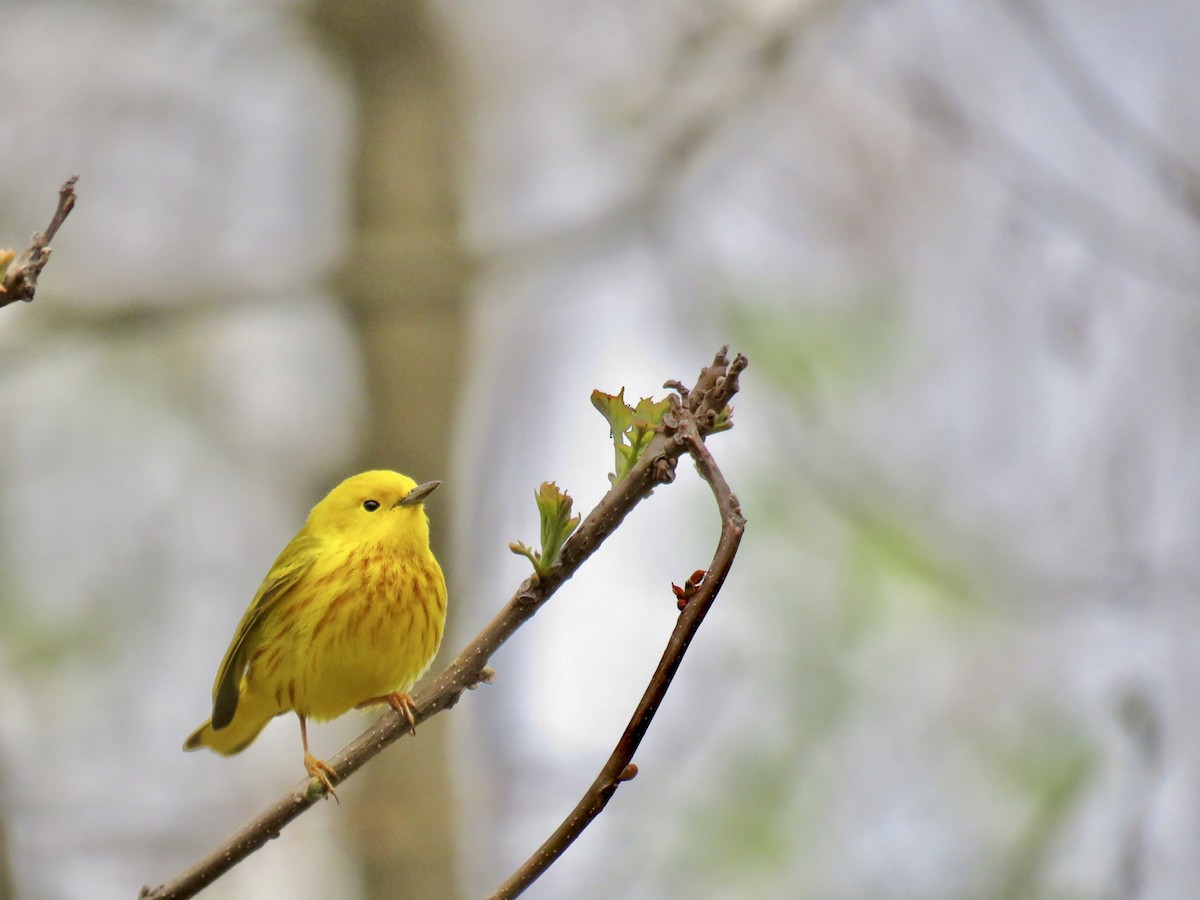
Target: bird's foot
401,702
322,772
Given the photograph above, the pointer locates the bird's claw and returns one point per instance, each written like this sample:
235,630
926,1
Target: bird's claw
404,705
323,773
401,702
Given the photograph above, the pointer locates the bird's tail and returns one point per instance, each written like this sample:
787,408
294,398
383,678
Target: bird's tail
252,715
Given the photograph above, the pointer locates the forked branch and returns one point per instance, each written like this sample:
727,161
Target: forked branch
693,415
620,765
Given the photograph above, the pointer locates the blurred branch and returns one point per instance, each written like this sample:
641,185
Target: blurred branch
1054,770
1176,177
8,890
682,117
1140,714
694,414
20,280
1109,234
695,605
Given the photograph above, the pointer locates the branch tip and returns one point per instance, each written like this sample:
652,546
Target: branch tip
20,280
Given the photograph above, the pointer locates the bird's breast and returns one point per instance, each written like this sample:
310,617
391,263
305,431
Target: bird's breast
378,630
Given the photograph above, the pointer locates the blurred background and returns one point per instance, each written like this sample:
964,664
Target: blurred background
958,242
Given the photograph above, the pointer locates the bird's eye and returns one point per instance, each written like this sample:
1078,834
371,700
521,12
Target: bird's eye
370,505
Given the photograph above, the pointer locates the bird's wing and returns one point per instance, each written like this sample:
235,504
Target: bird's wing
295,560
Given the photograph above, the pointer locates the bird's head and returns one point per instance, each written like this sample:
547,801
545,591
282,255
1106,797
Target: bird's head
375,507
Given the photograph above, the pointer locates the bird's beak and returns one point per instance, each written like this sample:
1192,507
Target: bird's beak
419,493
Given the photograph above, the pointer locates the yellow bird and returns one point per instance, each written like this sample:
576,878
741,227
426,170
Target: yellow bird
350,615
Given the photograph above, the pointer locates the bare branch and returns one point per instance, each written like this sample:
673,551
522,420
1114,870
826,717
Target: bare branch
693,419
20,281
620,765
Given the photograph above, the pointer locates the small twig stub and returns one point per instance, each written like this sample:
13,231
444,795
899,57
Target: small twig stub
20,278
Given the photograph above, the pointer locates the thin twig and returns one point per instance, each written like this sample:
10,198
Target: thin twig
20,281
714,388
620,766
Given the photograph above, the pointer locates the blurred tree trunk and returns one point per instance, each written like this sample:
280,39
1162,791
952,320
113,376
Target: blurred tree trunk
7,891
404,283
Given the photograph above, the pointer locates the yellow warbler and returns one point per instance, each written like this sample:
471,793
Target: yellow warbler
351,614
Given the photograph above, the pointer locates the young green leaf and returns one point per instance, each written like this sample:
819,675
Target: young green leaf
631,428
554,510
